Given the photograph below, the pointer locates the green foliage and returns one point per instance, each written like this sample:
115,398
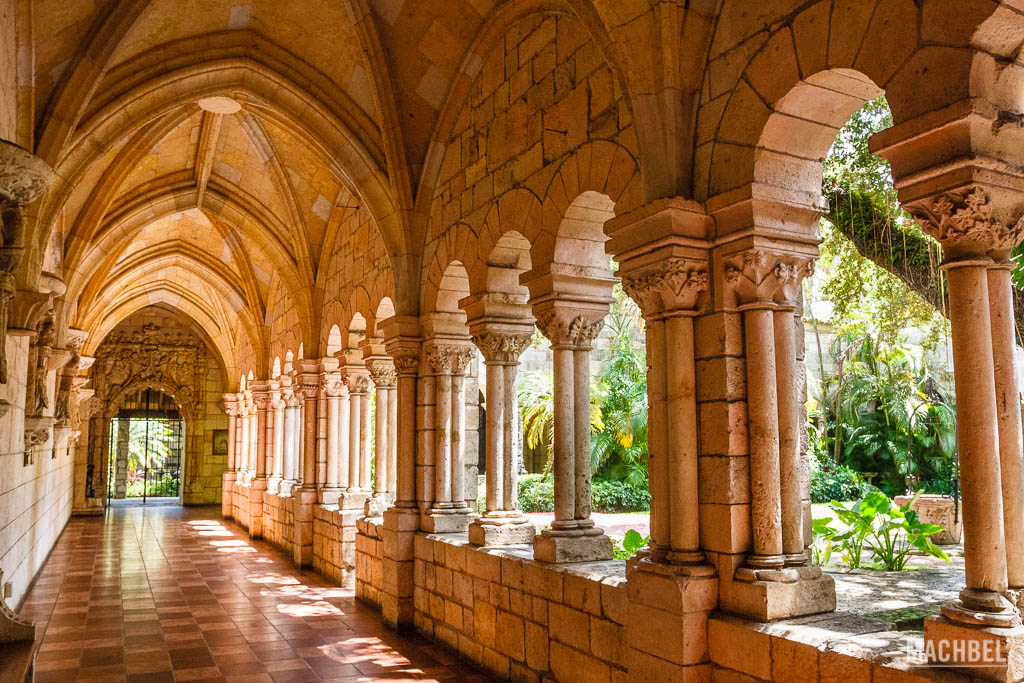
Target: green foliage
889,531
631,543
835,482
163,484
864,207
537,494
883,412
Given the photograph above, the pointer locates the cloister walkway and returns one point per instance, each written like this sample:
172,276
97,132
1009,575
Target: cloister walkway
178,594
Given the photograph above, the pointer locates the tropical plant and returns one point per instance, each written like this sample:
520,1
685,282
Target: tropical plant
883,412
619,447
535,393
631,543
889,531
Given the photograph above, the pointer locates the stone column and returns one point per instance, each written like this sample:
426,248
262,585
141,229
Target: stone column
292,400
241,438
306,496
277,446
501,523
261,398
121,463
571,327
762,284
358,381
231,410
382,372
449,512
333,388
667,291
365,430
1008,416
253,436
392,483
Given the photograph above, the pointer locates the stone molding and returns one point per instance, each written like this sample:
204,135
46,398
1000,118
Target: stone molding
23,176
673,285
761,276
964,219
357,380
502,347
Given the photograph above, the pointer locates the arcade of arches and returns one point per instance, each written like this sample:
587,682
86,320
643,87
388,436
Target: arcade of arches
324,227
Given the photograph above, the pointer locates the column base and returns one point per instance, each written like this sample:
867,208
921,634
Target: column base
680,603
352,500
767,594
991,653
447,520
572,545
330,496
982,608
377,503
274,485
497,529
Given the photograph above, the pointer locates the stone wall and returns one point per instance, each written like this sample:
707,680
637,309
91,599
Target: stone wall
334,543
240,505
278,520
369,568
35,492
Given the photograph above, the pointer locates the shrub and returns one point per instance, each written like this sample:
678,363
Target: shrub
631,543
537,494
836,482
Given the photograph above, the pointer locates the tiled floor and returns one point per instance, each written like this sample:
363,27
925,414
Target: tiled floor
178,594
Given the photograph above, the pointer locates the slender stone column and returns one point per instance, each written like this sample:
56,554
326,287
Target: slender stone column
501,522
657,438
241,438
407,364
355,424
291,436
333,387
978,438
681,412
572,536
277,408
365,429
449,511
382,372
357,380
392,484
344,430
258,457
231,410
1011,459
789,438
306,495
310,394
253,428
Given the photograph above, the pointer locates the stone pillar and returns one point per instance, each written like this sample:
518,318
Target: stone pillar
253,436
278,407
1011,458
243,437
306,496
382,372
258,436
402,520
667,285
571,327
392,483
121,463
357,379
333,388
228,478
293,400
501,522
365,431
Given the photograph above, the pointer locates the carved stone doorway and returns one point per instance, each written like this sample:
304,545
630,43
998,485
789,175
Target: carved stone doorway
147,439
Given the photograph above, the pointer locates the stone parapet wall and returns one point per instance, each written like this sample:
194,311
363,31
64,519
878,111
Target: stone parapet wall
278,520
368,565
240,505
335,543
518,618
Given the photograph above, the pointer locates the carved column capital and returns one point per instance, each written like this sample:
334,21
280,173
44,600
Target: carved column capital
382,371
570,330
964,221
357,379
448,359
763,276
502,347
23,176
674,284
333,385
261,400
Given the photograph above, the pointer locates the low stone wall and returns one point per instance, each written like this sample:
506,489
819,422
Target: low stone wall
240,505
369,549
518,618
334,543
278,520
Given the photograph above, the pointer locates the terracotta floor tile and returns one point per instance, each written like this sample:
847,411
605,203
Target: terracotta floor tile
141,596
